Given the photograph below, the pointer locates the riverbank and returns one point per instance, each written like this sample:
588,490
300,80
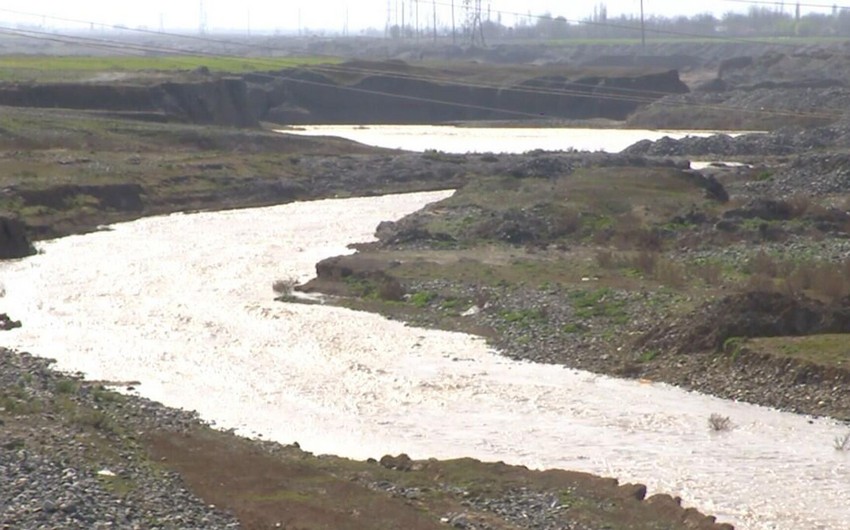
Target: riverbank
633,268
77,454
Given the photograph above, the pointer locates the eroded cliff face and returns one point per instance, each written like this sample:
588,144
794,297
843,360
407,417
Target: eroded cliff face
222,101
389,92
312,98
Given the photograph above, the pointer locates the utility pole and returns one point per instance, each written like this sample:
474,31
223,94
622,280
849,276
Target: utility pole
642,28
202,19
416,6
454,31
434,6
389,20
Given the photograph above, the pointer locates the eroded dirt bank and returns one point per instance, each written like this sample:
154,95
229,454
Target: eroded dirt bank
362,92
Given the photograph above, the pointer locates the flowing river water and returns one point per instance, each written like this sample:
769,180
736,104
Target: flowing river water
183,304
451,139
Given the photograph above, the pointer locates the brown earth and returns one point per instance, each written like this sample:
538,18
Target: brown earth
268,486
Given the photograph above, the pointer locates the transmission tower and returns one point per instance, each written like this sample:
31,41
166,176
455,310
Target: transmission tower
473,22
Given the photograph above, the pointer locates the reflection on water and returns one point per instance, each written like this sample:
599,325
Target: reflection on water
498,140
184,305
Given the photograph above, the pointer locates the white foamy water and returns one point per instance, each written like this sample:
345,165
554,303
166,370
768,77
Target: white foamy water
451,139
184,304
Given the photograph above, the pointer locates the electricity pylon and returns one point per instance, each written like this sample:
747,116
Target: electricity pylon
473,22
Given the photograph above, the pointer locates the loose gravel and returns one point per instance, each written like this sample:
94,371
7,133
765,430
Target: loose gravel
69,456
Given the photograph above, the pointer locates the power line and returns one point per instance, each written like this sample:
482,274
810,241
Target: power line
782,4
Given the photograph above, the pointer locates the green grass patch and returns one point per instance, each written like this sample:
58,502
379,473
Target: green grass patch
524,316
824,350
574,328
648,356
422,298
599,303
118,485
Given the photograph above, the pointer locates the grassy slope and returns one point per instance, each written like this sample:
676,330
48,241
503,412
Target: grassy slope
825,350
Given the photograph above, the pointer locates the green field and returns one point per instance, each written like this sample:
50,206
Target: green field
46,68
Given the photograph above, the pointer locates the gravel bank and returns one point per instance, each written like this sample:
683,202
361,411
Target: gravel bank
70,458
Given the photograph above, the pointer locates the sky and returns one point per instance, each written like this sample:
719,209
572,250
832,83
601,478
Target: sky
332,15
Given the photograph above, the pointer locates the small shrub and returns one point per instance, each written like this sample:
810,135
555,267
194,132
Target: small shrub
800,204
842,443
711,273
763,264
670,273
761,283
284,287
66,386
718,423
644,262
565,222
482,298
390,289
830,282
96,419
605,259
646,239
733,347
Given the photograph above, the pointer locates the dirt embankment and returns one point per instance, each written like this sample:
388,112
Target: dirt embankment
398,93
222,101
362,92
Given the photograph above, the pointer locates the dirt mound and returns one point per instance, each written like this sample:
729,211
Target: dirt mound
6,322
14,241
751,314
356,275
